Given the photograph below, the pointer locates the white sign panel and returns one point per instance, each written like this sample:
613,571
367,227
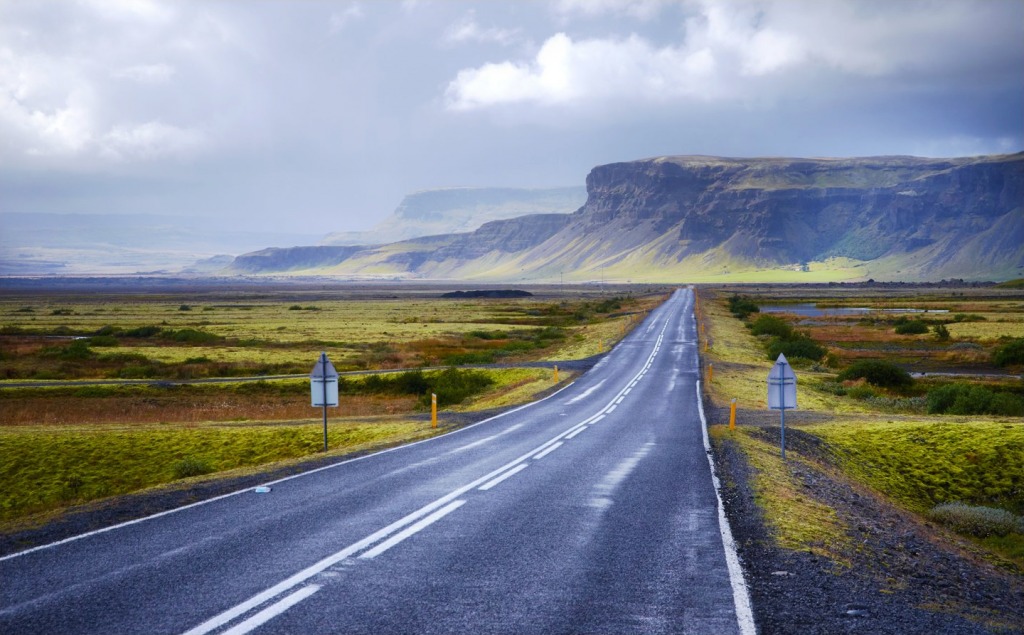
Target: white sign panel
323,383
782,386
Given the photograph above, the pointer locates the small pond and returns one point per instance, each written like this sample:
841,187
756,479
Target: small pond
809,309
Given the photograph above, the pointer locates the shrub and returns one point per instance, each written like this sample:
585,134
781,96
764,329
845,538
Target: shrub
103,340
741,306
968,399
911,327
798,346
191,466
772,325
184,307
191,336
941,332
1010,353
878,373
142,331
977,521
453,386
861,392
969,317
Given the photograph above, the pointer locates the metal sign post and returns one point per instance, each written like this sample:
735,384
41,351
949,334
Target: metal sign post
323,387
782,393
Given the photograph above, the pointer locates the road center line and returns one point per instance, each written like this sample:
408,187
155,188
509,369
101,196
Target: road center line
272,611
542,450
516,470
578,430
413,529
547,451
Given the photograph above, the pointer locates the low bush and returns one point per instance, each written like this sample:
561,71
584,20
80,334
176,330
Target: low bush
797,346
453,386
969,399
141,331
191,466
1010,354
771,325
103,340
741,306
911,327
977,521
878,373
941,332
969,317
191,336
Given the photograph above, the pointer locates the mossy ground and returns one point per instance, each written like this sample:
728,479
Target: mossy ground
914,461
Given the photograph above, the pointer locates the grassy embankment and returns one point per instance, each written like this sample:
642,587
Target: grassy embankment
882,438
63,445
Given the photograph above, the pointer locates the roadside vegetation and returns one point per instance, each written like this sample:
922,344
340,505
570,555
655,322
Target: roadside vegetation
63,444
926,408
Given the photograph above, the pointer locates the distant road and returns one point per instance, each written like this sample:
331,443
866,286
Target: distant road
590,511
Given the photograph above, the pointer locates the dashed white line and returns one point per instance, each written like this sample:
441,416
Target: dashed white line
509,474
572,434
548,450
611,409
413,529
272,611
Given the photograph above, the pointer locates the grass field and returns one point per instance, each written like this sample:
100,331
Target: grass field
881,437
63,444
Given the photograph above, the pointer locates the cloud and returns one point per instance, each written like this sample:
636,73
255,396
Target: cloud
340,19
566,71
468,30
150,140
641,9
146,73
731,50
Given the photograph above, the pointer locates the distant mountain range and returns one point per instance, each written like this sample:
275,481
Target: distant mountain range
461,209
700,218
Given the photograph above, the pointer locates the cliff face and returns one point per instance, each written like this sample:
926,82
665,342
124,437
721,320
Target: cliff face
705,218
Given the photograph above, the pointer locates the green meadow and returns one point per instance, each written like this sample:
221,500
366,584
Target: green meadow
64,444
951,436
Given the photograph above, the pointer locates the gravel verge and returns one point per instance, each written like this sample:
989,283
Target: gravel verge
903,575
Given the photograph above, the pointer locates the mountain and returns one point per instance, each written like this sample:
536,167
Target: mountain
461,209
698,218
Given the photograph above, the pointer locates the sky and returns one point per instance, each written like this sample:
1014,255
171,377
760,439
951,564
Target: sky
320,116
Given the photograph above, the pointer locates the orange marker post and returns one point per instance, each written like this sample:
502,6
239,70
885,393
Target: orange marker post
433,410
732,415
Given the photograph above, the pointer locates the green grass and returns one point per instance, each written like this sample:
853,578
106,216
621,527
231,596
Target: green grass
44,469
797,520
924,463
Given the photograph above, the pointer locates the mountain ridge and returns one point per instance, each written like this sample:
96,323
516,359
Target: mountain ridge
693,217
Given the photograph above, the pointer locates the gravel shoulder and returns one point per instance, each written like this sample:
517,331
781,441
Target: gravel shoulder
902,574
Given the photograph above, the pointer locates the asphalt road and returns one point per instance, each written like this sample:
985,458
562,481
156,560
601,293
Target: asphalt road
592,511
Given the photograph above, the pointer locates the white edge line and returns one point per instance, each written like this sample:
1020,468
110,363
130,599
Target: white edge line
493,482
246,490
740,594
413,529
273,611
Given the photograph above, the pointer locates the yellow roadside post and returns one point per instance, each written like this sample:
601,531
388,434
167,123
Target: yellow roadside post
433,410
556,373
711,373
732,415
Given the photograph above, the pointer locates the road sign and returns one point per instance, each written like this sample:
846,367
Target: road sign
782,393
782,385
323,383
323,387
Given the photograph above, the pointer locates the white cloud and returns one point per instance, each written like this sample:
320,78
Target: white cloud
146,73
340,19
739,50
641,9
469,30
567,71
150,140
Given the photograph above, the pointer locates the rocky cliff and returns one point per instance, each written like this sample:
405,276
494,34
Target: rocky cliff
707,218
